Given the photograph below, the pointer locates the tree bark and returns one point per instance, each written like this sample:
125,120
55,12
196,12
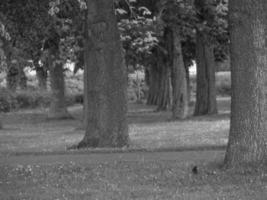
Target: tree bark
22,78
179,83
206,92
163,93
105,80
58,108
247,138
188,84
12,75
153,86
41,74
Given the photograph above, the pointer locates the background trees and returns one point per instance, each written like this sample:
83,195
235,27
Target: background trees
161,38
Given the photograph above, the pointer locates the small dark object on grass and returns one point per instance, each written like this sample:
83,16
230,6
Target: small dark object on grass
195,170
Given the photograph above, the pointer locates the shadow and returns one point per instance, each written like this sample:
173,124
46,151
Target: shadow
209,118
148,117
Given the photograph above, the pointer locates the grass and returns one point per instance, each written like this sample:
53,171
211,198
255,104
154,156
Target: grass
137,175
29,131
130,180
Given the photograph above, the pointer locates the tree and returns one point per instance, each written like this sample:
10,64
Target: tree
175,16
105,80
60,48
206,92
4,37
247,138
58,107
180,105
41,74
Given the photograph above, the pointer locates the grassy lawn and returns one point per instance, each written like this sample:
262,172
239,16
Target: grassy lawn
130,180
29,131
137,175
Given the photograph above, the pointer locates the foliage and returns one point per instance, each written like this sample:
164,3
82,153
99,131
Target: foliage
27,99
7,101
138,36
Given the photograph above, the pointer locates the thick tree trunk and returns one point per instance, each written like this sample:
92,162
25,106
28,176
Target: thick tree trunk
206,92
105,80
58,108
41,74
247,139
179,82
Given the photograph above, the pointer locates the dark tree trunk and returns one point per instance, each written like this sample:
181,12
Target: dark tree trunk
153,86
22,79
247,138
12,76
188,84
58,108
179,82
105,80
206,92
163,94
41,74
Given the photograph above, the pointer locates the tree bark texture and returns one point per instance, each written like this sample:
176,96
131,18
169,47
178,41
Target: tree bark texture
41,74
247,138
163,94
22,78
188,84
105,80
12,75
179,83
206,91
58,108
159,82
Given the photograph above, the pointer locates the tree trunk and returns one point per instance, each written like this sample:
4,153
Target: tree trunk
12,75
58,108
206,92
247,138
179,82
105,80
22,78
188,84
163,94
153,86
41,74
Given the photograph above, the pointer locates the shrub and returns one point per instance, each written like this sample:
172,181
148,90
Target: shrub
32,99
223,83
137,89
7,101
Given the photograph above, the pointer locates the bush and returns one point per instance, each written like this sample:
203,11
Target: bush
7,101
223,83
32,99
22,99
137,89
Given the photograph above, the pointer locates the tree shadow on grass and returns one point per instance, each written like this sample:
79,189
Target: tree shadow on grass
209,118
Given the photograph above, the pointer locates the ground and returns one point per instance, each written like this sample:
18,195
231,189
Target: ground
34,162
